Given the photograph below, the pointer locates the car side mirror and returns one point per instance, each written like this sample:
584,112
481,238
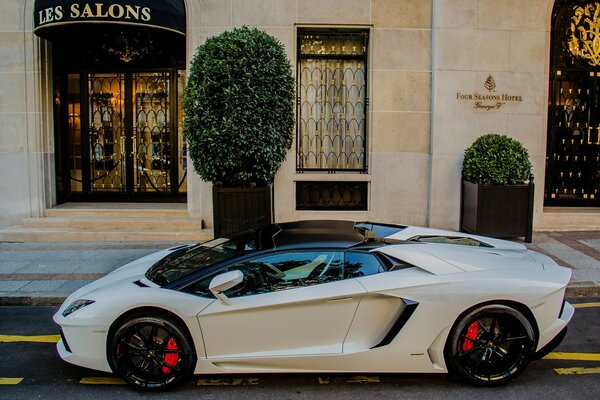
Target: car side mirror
223,282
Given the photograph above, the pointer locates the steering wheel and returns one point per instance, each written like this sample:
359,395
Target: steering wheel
277,273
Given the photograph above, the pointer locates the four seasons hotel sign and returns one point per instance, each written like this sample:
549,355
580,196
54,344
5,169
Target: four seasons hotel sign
490,100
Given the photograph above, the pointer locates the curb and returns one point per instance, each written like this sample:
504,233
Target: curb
583,291
31,301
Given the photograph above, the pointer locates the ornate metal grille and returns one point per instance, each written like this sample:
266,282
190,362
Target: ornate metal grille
573,152
332,101
107,133
323,195
152,136
584,33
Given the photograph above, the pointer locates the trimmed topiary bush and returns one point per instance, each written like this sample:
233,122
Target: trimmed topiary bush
496,160
239,108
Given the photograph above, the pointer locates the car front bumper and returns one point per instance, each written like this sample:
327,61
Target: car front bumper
83,343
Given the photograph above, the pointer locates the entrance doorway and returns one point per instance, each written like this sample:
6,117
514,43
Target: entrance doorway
129,127
573,150
118,117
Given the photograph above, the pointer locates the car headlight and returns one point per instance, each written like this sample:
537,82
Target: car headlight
76,305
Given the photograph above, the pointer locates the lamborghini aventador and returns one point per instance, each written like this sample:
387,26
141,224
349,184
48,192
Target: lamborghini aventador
321,296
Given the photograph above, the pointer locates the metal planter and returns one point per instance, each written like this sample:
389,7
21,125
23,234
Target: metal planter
497,210
241,209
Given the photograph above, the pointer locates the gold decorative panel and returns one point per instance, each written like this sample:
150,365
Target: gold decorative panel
584,40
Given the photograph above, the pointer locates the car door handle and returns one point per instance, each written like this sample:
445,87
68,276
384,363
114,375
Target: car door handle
339,299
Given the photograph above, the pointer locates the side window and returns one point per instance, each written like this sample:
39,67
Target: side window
280,272
288,271
359,264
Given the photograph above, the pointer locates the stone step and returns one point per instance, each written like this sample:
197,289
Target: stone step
126,222
104,213
54,234
110,222
563,219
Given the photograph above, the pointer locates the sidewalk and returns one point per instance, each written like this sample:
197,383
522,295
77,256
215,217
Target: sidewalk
46,273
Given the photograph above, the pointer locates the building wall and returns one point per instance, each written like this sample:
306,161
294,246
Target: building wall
422,53
26,161
399,91
473,39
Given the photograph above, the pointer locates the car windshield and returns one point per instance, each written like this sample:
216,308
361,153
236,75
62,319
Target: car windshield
185,261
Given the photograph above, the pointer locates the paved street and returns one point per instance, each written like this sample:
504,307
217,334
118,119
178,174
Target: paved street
32,370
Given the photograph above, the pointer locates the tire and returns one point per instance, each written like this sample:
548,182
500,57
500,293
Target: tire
151,352
490,345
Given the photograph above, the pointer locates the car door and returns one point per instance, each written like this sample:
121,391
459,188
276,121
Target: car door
291,303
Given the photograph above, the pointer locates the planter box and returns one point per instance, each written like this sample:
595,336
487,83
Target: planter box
497,210
241,209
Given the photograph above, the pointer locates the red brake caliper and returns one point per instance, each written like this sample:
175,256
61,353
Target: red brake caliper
470,337
170,358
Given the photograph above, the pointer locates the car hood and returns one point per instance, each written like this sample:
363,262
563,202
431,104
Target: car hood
440,259
134,271
415,232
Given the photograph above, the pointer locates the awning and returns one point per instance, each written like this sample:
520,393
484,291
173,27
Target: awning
52,17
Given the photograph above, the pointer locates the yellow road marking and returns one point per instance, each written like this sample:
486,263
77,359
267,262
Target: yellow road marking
352,379
227,382
32,339
577,371
107,380
586,305
573,356
10,381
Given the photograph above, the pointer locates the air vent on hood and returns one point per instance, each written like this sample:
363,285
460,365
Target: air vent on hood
458,240
140,283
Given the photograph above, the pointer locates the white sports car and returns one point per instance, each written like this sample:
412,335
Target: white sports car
321,296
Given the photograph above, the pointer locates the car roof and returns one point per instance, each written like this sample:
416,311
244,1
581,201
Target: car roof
317,233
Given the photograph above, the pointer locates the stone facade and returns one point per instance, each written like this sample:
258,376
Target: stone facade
422,55
26,148
509,40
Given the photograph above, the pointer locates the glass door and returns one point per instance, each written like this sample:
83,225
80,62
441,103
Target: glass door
107,134
573,161
151,132
127,144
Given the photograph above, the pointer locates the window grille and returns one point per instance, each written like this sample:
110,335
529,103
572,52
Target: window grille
332,101
326,195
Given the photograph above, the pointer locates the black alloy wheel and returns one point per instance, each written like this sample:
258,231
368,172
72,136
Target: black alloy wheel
151,352
490,345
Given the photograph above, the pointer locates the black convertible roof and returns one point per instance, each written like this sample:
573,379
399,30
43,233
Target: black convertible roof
325,233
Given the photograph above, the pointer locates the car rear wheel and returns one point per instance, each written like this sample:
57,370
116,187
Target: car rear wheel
491,345
151,352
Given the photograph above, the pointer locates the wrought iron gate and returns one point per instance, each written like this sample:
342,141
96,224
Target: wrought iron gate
573,150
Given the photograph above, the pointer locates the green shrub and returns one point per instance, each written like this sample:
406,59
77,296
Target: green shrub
496,160
239,108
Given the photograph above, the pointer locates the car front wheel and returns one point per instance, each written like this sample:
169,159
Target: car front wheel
490,345
151,352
